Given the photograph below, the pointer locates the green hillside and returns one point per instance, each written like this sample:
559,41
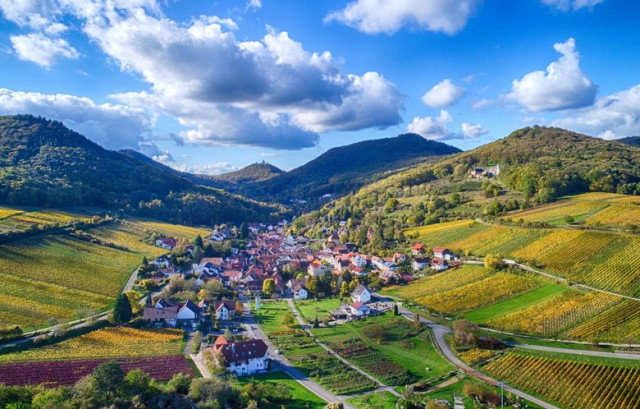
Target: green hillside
43,163
343,169
256,172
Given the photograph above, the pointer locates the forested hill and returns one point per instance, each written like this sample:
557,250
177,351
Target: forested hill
256,172
43,163
537,165
347,168
630,140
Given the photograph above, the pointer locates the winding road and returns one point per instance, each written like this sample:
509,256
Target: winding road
439,333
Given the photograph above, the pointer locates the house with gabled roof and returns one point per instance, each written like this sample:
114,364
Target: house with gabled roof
243,358
188,312
224,309
361,294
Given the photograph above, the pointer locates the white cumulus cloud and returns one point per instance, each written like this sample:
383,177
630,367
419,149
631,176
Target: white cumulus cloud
434,128
566,5
267,92
42,50
473,130
562,86
443,94
389,16
611,117
112,126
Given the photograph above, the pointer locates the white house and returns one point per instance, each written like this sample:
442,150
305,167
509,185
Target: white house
300,293
166,243
419,263
358,309
439,264
445,253
188,311
225,309
243,358
317,269
361,294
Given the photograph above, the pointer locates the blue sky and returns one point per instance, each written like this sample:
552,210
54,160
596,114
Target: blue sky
211,86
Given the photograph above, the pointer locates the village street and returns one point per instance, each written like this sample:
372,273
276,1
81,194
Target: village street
254,331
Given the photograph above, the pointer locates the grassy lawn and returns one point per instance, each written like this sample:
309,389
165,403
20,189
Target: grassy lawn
309,309
378,400
301,398
416,353
306,355
536,296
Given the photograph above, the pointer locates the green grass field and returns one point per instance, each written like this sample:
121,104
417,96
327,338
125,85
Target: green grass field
301,398
309,309
306,355
413,352
377,400
536,296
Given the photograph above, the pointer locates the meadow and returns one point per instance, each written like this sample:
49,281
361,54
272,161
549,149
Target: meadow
301,398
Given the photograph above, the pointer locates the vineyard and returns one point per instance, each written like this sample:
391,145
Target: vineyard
553,316
554,213
592,209
487,291
47,278
118,342
612,320
447,280
57,373
577,385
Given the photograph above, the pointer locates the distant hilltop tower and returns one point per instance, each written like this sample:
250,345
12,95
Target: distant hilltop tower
257,302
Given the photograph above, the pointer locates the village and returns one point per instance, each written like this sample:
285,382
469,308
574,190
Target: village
274,265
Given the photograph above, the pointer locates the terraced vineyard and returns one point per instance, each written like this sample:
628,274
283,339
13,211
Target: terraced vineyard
118,342
487,291
157,352
553,316
52,277
601,209
570,384
439,282
611,324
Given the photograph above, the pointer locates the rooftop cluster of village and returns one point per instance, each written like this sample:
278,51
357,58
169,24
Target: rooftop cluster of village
212,292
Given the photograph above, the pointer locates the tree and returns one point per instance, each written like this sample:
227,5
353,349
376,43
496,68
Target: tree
268,286
391,205
395,309
376,332
287,319
464,332
145,261
121,310
108,377
493,262
198,242
239,308
179,383
244,231
344,289
316,324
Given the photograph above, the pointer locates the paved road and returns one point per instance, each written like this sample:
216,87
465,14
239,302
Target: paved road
254,331
620,355
439,332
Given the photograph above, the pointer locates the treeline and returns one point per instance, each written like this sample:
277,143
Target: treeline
109,386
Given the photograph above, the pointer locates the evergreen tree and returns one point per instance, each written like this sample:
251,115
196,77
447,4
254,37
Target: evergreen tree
122,310
244,230
198,242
